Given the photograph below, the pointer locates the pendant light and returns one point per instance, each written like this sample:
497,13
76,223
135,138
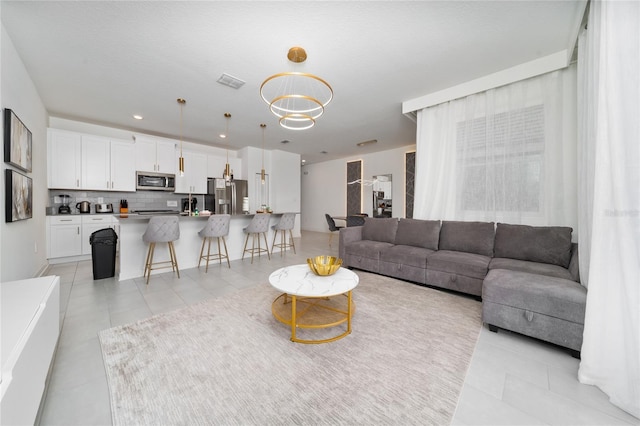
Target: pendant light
181,102
227,168
296,98
262,172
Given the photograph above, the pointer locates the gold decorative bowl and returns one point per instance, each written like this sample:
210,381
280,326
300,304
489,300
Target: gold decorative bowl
324,265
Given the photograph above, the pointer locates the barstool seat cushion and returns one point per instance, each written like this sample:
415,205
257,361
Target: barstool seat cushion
162,229
217,226
286,222
259,223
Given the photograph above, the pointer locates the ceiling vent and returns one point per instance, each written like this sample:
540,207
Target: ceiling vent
231,81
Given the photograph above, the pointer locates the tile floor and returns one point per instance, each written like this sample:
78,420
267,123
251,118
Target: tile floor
511,380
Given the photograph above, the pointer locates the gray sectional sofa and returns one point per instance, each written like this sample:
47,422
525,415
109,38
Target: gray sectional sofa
527,277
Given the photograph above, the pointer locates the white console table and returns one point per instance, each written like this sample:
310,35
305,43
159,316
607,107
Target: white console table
30,328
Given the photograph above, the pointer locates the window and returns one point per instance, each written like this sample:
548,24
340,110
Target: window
501,161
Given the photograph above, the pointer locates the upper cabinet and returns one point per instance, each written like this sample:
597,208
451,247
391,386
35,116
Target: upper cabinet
64,157
155,156
123,166
215,166
96,164
194,180
79,161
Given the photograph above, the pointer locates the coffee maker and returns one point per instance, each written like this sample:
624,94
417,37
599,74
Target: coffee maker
185,204
64,206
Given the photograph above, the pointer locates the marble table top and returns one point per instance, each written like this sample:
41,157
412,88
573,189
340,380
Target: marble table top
299,280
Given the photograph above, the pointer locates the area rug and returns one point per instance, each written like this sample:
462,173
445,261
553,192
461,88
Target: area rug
228,361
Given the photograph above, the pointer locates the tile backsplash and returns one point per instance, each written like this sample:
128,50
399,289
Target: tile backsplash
140,200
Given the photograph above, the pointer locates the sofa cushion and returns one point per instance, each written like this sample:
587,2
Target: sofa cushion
470,237
367,248
531,267
418,233
555,297
544,244
380,229
459,262
406,255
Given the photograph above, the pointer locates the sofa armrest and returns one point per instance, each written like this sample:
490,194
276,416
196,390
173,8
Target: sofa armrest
348,235
574,264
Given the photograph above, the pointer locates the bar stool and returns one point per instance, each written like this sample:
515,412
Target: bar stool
161,229
286,224
259,225
217,227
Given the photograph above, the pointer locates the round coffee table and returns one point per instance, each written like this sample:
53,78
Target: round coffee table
312,301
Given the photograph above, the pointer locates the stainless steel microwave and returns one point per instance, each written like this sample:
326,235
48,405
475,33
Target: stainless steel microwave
149,181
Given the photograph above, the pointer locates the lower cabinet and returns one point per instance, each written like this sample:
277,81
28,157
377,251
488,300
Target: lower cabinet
64,236
70,235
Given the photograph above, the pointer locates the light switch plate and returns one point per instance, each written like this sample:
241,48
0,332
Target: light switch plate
172,203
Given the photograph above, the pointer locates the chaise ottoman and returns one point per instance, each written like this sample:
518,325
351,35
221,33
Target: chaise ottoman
547,308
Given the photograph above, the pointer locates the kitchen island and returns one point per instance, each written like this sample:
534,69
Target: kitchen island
133,251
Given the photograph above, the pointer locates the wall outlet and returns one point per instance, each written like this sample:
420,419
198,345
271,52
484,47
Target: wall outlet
172,203
35,246
100,200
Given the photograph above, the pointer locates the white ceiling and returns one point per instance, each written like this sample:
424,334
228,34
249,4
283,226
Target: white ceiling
103,61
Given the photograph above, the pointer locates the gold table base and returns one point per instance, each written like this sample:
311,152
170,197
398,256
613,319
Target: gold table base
314,312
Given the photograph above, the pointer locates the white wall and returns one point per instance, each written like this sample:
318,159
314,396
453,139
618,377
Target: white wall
23,243
323,186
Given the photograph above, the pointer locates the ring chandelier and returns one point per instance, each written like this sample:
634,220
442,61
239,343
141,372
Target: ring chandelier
296,98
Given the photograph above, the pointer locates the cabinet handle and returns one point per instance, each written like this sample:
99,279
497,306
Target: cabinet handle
107,184
78,183
78,229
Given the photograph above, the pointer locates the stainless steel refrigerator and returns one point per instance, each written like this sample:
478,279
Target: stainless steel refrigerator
223,199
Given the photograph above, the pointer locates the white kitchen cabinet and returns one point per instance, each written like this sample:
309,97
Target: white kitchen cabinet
91,224
64,159
215,166
123,166
155,156
81,161
108,164
64,236
96,163
194,180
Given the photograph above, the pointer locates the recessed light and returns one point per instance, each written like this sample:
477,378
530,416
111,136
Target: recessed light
304,161
365,143
222,135
285,142
323,152
137,117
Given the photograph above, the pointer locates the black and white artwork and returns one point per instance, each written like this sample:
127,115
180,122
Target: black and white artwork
17,142
18,196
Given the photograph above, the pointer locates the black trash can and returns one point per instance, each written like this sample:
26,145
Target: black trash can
103,253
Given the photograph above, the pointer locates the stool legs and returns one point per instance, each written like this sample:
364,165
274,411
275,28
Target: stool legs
219,256
283,244
148,265
253,245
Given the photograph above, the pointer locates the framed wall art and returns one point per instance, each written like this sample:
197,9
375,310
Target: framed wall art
17,142
18,196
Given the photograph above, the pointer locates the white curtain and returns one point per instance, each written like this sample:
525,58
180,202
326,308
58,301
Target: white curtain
507,154
609,199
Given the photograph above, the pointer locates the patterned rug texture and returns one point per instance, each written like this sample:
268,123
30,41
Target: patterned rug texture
228,361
